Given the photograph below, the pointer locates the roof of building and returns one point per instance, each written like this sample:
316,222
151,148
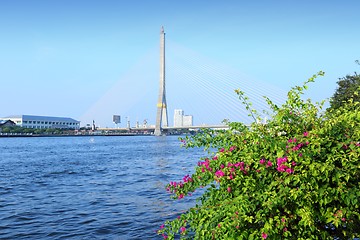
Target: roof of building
41,118
4,122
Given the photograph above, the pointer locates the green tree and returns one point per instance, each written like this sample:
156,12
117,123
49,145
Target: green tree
296,177
348,88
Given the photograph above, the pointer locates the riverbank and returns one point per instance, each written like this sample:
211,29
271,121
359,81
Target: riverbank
6,135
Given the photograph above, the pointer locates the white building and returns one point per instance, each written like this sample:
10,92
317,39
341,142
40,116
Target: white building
178,117
30,121
187,120
181,120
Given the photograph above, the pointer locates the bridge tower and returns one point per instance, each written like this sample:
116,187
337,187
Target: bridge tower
161,116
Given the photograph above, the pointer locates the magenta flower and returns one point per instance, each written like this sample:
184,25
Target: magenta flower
219,173
164,236
264,235
222,150
215,158
182,229
285,229
306,134
219,225
162,226
187,178
262,161
269,164
181,196
232,148
229,189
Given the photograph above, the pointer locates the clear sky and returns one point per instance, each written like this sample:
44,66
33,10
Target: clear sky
62,58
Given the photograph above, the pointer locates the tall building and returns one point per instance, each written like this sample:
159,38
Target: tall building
178,117
41,122
181,120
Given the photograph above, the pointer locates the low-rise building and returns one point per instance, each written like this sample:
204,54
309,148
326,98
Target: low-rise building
43,122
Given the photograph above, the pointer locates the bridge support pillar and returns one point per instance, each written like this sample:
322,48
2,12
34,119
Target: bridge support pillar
161,115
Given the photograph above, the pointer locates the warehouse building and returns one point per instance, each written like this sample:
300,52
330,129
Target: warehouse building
43,122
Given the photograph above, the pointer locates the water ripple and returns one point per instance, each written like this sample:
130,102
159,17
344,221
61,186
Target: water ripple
76,188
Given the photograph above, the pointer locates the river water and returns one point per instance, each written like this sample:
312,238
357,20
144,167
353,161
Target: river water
90,187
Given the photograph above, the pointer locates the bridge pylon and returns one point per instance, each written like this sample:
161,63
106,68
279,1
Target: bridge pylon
161,115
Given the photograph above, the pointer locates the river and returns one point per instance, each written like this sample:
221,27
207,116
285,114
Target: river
90,187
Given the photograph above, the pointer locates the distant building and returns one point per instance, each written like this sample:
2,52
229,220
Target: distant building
181,120
42,122
187,120
6,123
178,118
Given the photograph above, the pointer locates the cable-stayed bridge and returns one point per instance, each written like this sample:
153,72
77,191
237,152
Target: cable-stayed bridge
200,86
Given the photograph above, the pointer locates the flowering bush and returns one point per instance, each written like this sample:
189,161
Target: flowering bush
296,177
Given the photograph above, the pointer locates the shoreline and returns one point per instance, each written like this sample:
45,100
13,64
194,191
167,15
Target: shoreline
69,135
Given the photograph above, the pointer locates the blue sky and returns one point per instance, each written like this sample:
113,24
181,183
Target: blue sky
76,58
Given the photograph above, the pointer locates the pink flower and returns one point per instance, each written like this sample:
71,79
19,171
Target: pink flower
343,219
219,225
187,178
229,189
285,229
283,219
215,158
262,161
222,150
300,154
269,164
182,229
219,173
164,236
306,134
181,196
222,166
162,226
264,235
232,148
